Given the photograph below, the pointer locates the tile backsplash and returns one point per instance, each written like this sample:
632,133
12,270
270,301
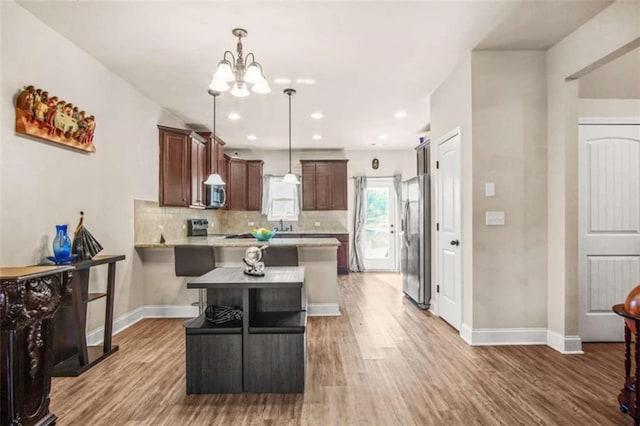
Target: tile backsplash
149,216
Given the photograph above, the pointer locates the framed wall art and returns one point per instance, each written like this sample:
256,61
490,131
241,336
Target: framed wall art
54,119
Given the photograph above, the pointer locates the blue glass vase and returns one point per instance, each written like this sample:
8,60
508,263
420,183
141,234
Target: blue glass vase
61,244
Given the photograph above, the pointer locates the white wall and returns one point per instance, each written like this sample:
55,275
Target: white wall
610,32
609,107
618,79
42,184
450,109
509,141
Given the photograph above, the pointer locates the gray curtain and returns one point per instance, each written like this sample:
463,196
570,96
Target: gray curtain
357,252
397,185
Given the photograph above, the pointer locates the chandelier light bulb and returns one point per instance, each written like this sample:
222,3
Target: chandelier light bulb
224,71
239,89
219,85
261,87
253,74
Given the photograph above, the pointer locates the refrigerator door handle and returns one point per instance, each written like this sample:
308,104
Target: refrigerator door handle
405,232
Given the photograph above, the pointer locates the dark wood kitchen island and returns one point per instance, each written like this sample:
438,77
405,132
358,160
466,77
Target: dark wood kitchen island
263,352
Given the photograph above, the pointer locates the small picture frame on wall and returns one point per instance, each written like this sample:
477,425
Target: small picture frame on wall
53,119
375,164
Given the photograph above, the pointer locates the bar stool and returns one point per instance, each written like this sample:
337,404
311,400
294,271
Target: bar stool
194,261
280,256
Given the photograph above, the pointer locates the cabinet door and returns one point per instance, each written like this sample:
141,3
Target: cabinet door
175,170
343,253
339,185
308,186
220,158
197,172
324,184
237,186
254,185
211,154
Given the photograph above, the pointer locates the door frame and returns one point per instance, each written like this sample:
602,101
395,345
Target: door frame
396,221
582,213
435,213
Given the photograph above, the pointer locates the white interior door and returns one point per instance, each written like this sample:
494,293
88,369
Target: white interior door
379,240
449,255
609,228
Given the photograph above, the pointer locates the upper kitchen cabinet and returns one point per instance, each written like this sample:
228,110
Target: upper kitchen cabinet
324,184
175,167
254,184
214,154
198,172
182,168
237,185
244,187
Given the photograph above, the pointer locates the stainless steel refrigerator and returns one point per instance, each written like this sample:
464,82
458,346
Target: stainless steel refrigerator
415,251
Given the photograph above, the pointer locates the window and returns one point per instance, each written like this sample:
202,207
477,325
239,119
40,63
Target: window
283,202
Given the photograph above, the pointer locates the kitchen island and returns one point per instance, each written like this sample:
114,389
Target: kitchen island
167,295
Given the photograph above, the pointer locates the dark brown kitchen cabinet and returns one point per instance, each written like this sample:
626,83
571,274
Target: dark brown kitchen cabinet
214,154
343,253
198,165
175,167
237,185
324,184
254,184
224,170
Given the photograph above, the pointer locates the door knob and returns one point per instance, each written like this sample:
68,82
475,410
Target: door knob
455,243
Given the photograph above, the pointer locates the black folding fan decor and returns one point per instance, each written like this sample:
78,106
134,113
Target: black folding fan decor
84,244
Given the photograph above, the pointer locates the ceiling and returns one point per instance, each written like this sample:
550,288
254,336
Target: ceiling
369,60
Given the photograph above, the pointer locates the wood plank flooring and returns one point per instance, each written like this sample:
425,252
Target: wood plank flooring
383,362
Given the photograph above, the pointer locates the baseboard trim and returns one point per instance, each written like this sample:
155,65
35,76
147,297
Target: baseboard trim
564,344
323,310
95,337
503,336
521,336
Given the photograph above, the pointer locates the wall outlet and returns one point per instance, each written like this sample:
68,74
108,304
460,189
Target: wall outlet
495,218
250,223
184,226
211,224
316,224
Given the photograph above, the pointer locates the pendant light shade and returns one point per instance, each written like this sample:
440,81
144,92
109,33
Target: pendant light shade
214,178
290,177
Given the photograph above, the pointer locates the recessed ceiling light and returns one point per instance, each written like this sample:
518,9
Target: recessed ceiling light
316,137
234,116
401,114
382,137
281,80
252,137
317,115
305,81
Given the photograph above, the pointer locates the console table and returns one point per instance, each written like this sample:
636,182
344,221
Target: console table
629,396
72,356
266,350
29,297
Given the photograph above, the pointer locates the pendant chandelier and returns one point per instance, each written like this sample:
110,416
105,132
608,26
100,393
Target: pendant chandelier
290,177
214,178
239,71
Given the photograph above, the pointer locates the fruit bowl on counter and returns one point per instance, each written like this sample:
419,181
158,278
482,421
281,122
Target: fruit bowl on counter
263,234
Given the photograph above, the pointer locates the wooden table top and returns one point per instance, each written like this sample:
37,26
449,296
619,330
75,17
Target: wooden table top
275,276
21,273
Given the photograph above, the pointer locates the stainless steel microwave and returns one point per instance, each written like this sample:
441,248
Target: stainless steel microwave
216,196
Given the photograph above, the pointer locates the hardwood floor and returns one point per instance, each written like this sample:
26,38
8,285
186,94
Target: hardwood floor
383,362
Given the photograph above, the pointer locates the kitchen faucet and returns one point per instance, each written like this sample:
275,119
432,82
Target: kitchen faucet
282,228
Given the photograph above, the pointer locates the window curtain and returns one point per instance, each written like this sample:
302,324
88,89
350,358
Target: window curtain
266,199
356,263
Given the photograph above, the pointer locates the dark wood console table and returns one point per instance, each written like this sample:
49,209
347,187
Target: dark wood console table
629,396
72,356
263,352
29,297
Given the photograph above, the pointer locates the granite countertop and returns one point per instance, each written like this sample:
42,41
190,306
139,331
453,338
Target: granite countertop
221,241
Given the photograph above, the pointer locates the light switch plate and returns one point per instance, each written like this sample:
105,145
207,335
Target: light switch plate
316,224
495,218
250,224
489,189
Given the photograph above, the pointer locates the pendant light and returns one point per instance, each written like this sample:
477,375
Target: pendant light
214,178
290,177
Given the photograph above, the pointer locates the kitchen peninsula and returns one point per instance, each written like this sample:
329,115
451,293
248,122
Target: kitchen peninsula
165,291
